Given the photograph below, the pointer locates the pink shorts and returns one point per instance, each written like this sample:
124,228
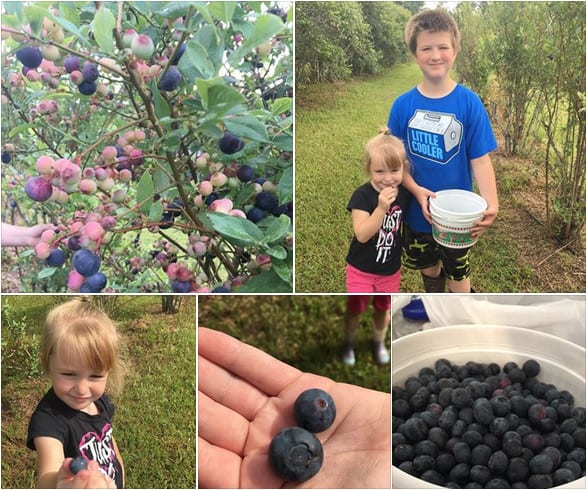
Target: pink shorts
364,282
358,304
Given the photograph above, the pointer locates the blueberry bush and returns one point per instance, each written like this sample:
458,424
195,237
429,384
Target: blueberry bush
157,138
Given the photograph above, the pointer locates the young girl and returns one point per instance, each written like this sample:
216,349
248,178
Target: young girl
374,257
80,354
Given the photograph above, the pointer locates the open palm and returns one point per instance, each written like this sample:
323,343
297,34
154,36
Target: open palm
247,396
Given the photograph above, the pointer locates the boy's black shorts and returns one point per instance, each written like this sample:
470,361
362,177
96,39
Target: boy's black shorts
422,251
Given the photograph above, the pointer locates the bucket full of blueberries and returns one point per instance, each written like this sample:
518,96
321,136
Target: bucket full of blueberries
487,406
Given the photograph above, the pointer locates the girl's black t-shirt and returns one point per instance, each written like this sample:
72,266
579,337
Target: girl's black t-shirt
81,434
382,253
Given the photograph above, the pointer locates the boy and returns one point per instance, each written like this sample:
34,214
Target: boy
448,137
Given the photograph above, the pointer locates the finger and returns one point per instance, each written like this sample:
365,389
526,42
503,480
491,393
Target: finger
252,365
226,389
217,467
221,426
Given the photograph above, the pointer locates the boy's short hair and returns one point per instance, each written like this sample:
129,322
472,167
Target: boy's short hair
431,20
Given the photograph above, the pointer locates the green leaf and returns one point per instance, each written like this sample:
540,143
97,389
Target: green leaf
277,230
145,191
46,272
282,105
266,282
245,194
213,44
222,10
160,181
285,186
173,10
264,28
196,63
283,269
12,8
65,24
104,23
277,252
156,211
238,230
224,100
284,142
247,127
34,17
161,106
20,129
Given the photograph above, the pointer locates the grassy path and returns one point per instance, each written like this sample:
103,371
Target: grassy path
333,122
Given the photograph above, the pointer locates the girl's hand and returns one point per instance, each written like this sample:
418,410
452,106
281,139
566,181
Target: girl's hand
90,478
386,197
488,218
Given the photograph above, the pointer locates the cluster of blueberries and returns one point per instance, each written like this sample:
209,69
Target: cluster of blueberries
480,426
295,453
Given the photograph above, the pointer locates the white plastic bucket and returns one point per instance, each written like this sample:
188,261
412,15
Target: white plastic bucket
562,364
454,211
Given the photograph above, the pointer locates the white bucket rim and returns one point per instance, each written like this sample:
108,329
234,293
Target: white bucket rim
460,194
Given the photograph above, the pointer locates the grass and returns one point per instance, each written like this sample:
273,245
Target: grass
334,121
303,331
155,419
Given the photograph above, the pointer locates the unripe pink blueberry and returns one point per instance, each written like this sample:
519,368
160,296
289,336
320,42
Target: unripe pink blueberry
101,173
75,280
44,165
223,205
42,250
218,179
76,77
172,270
239,213
93,230
118,196
205,188
87,186
125,175
199,249
136,157
70,173
128,37
108,222
109,154
106,184
142,46
47,236
89,173
33,76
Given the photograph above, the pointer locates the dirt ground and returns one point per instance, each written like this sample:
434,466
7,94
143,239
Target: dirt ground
557,266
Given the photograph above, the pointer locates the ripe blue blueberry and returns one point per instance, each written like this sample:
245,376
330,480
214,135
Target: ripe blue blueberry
78,464
86,262
56,258
181,286
295,454
90,72
267,201
221,289
87,88
314,410
71,63
255,214
170,80
179,54
30,56
6,157
95,283
230,144
245,173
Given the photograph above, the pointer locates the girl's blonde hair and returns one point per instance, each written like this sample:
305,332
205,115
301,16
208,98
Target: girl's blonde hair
81,329
385,148
431,20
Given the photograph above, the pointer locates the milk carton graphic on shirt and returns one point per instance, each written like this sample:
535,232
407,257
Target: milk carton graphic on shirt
434,136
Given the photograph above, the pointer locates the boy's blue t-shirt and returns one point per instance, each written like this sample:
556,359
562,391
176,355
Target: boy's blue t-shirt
441,137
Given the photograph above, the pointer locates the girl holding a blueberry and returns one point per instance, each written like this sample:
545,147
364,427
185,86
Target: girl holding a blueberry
80,352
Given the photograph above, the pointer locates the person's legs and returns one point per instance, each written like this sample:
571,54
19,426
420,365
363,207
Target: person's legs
422,253
457,269
381,321
355,306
